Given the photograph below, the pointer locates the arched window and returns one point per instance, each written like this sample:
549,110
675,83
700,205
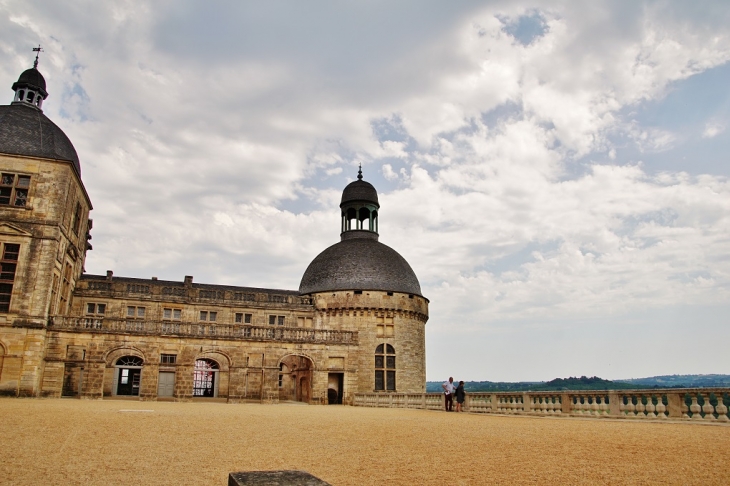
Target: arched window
129,361
21,94
385,368
204,378
29,96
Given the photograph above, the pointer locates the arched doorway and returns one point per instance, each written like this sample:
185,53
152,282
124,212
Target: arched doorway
205,378
295,378
127,375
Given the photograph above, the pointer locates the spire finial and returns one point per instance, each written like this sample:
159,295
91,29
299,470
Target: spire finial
37,51
359,172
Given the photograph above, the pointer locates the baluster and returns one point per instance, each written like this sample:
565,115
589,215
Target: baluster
603,407
685,408
660,407
594,406
557,405
574,404
622,408
650,407
721,409
639,407
578,409
586,406
695,408
708,408
542,405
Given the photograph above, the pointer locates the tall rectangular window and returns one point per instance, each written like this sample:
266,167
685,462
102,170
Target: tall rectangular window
77,219
8,266
14,189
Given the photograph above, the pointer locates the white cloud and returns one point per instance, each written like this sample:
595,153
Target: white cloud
216,145
712,129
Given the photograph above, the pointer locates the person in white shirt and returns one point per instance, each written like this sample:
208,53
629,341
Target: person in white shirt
449,389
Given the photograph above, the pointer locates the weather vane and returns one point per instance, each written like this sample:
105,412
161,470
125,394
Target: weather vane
37,51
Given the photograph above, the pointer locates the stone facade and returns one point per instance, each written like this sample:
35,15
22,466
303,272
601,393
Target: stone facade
65,333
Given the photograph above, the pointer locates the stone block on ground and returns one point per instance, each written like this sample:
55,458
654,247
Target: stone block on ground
274,478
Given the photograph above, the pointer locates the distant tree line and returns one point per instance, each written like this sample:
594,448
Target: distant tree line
592,383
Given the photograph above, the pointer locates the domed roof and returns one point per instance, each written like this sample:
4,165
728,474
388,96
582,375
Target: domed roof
359,263
359,190
25,130
31,77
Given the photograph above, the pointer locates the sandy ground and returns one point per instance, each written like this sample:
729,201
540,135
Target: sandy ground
114,442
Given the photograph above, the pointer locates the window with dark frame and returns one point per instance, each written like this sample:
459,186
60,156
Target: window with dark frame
384,368
274,320
242,318
14,189
9,264
168,358
93,308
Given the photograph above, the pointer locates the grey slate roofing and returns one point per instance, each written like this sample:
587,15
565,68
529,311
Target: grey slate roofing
25,130
360,263
359,191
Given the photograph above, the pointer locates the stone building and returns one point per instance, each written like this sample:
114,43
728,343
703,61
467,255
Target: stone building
356,324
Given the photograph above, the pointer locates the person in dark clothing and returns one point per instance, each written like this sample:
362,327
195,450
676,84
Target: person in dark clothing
460,396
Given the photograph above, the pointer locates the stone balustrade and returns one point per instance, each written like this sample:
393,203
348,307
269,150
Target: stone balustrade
695,404
202,330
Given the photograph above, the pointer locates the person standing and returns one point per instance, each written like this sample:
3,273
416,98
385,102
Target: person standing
449,389
460,396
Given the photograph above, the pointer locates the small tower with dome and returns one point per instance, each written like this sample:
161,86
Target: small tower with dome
364,285
44,229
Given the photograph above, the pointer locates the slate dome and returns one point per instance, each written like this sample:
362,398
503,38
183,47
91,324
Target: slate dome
359,190
359,263
31,77
25,130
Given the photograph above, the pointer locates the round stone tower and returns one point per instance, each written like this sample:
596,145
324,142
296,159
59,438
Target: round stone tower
363,285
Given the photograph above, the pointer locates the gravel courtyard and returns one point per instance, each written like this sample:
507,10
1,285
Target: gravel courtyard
137,443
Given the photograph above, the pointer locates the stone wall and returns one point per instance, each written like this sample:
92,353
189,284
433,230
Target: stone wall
397,319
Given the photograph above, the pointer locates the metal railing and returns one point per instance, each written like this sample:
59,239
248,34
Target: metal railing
201,330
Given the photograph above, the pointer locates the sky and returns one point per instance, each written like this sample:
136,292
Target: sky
555,172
